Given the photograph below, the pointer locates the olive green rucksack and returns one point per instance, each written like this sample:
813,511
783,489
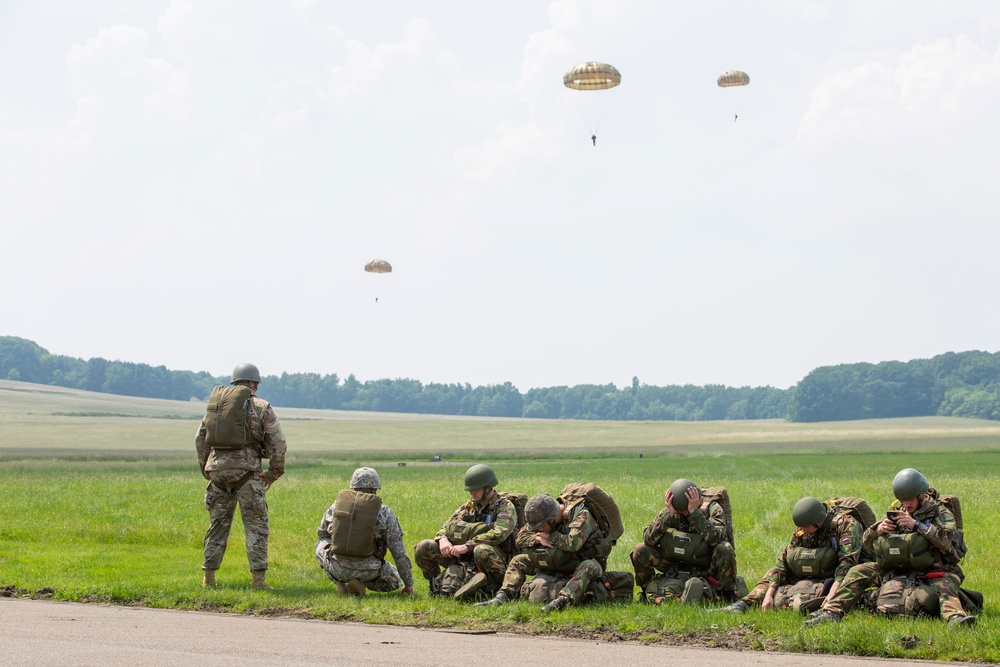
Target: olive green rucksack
958,549
460,531
227,418
604,510
902,596
856,507
519,500
721,496
354,523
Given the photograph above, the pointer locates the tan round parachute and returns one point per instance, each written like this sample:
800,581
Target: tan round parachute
592,76
733,77
378,266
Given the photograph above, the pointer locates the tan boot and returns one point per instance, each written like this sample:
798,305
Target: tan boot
208,579
341,588
356,587
258,583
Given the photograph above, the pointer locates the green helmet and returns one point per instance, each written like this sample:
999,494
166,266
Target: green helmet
908,484
245,372
809,512
480,475
678,489
540,509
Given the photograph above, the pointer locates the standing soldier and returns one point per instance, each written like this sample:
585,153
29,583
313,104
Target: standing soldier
915,542
555,539
479,535
238,430
687,541
354,536
826,545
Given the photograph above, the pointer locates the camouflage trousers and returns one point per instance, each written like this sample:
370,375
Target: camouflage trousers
489,559
221,505
520,567
377,575
864,576
646,560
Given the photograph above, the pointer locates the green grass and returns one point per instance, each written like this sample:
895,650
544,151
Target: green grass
123,520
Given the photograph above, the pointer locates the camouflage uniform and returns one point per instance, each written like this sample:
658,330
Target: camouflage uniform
647,557
937,525
579,535
841,532
376,573
490,551
224,468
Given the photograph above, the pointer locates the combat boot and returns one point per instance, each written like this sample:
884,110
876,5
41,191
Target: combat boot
821,616
258,583
558,604
356,587
208,579
341,587
962,619
497,600
472,587
737,607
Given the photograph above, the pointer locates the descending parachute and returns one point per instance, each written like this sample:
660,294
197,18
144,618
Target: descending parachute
733,77
378,266
592,75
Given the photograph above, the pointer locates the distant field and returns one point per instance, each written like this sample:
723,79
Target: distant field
103,502
53,420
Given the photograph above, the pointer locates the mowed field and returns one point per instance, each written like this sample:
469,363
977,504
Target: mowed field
104,503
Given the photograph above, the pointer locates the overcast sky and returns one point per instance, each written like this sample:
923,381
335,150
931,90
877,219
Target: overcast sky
198,183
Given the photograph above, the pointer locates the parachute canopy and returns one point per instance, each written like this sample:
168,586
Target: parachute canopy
733,77
592,76
378,266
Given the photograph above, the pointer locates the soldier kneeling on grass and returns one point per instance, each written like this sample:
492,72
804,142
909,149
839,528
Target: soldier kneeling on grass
811,567
554,542
686,553
354,536
475,544
917,545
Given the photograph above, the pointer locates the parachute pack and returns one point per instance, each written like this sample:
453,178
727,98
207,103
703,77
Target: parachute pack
958,547
856,507
519,500
354,523
604,509
721,496
227,418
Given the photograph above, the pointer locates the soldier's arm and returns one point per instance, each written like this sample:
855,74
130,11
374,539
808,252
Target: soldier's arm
653,533
940,530
394,542
778,574
502,528
202,448
868,539
849,542
324,537
274,444
713,527
580,529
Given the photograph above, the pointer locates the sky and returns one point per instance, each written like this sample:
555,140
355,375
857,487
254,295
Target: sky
199,183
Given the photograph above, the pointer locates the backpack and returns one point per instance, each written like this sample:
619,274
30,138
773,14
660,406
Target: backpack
604,509
721,496
856,507
354,521
958,547
612,587
227,418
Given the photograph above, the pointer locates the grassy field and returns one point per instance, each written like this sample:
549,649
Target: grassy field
103,503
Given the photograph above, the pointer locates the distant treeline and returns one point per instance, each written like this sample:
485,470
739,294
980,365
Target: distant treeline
961,384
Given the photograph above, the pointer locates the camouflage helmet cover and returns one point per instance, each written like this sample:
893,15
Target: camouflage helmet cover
809,512
480,475
909,483
678,489
245,372
539,510
365,478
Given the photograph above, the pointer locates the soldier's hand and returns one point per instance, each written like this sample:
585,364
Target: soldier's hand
693,496
459,549
408,590
445,546
768,602
267,482
543,538
886,526
671,510
905,521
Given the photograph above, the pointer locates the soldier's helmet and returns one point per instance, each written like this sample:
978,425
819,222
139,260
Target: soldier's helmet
809,512
909,483
678,489
245,372
365,478
539,510
480,475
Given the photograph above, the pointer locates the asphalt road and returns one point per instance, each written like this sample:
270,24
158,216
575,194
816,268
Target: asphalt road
40,632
